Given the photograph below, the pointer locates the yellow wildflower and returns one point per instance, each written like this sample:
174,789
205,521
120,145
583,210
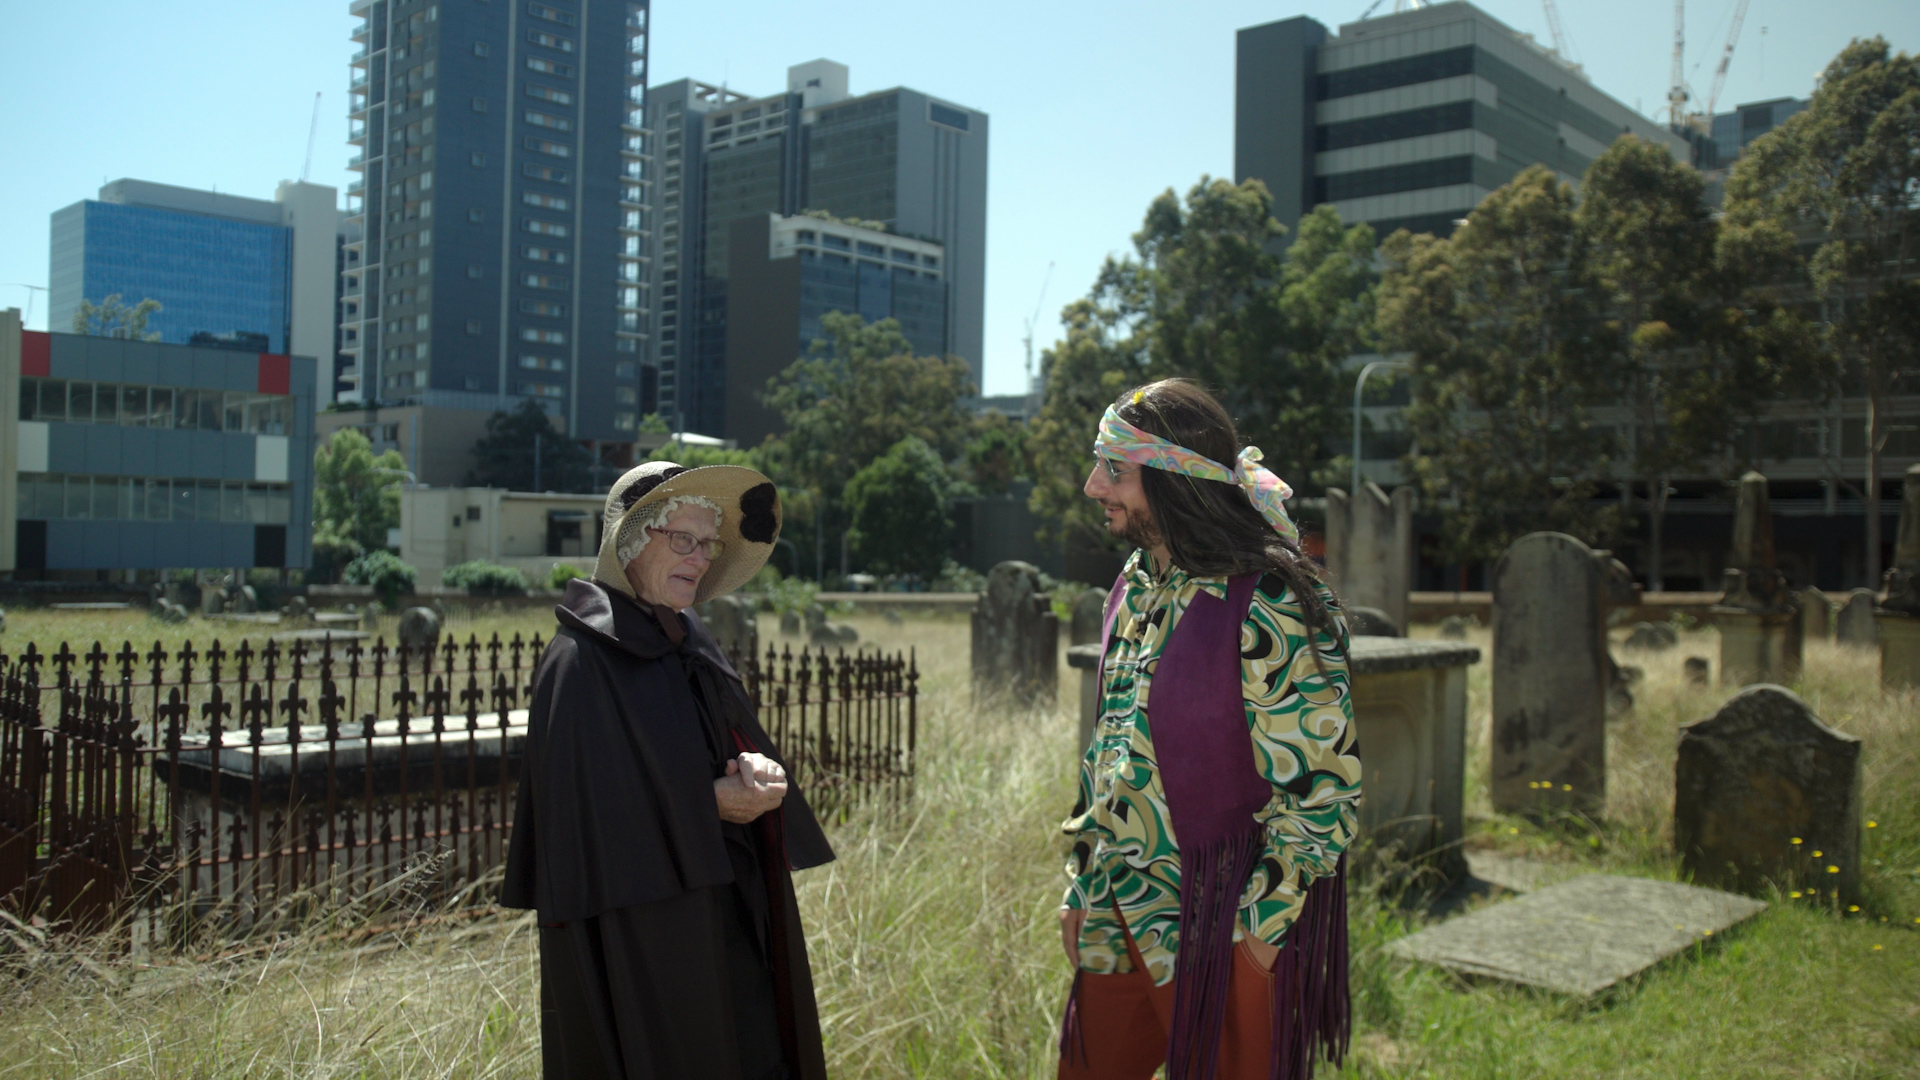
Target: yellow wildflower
1833,869
1796,841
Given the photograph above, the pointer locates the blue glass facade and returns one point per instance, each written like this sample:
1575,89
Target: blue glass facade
828,283
212,276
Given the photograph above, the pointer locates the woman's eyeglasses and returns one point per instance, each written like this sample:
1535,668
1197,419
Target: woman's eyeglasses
683,543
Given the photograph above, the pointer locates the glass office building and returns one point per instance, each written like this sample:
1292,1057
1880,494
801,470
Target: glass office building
219,278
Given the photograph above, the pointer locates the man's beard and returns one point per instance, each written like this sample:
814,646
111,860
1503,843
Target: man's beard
1141,531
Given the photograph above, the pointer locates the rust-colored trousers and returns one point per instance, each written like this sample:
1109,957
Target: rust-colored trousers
1124,1019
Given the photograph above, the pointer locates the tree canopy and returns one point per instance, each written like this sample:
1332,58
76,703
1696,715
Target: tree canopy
898,509
356,496
523,451
111,318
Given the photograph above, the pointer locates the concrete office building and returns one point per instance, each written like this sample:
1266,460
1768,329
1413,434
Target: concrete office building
252,274
1408,120
797,269
442,527
502,217
913,164
133,455
1732,131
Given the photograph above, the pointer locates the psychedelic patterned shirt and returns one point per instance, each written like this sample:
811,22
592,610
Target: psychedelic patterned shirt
1301,723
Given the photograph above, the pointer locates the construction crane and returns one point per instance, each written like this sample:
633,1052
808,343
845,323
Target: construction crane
1677,93
312,130
1028,390
1559,34
1726,58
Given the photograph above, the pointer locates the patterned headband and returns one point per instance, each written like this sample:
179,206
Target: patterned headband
1267,492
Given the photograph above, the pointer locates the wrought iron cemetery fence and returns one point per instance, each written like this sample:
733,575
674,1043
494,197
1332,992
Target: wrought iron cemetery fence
167,791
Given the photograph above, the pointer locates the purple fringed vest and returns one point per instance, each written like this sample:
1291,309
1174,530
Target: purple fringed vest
1213,787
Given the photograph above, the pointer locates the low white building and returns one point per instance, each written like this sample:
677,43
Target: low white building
442,527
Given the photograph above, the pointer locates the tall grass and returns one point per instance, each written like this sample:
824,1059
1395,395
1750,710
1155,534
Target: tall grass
936,953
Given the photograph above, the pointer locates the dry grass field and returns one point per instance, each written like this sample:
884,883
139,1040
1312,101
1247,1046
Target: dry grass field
934,943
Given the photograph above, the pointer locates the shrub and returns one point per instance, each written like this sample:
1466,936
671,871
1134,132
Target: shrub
391,579
480,576
562,573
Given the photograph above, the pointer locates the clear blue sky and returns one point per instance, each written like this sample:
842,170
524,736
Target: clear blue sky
1096,106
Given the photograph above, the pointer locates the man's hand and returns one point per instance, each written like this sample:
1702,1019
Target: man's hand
754,784
1071,920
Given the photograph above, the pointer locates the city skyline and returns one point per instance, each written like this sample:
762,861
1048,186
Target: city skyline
1079,152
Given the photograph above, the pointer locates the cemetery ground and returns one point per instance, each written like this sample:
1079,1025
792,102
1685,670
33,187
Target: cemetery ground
934,939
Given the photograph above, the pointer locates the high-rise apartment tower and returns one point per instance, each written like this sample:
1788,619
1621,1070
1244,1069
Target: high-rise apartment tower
502,216
893,161
1410,119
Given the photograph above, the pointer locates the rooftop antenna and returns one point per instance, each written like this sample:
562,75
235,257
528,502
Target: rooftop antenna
312,130
1034,318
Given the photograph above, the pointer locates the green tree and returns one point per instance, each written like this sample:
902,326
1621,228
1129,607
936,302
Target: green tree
523,451
898,508
111,318
1499,325
356,496
1210,294
997,455
1846,170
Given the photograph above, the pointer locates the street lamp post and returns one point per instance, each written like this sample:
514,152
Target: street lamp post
1359,386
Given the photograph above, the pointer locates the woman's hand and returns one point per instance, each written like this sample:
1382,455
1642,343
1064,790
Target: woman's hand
754,784
1071,920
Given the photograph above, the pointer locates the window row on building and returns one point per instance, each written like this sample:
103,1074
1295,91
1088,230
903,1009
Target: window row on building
74,401
57,497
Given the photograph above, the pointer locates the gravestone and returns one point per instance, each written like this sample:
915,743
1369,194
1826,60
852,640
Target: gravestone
1410,704
1854,625
1580,936
1653,637
732,622
419,626
1550,677
1697,671
1089,609
1758,616
1016,637
168,612
242,600
212,601
1370,548
3,620
789,622
1899,614
1764,794
1370,622
296,608
1455,627
1086,660
1816,615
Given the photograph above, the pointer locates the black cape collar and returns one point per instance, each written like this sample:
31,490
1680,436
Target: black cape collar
615,618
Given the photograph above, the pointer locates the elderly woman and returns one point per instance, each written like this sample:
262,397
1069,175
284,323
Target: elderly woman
656,827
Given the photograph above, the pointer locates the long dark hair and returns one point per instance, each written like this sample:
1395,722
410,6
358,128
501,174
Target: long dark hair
1209,527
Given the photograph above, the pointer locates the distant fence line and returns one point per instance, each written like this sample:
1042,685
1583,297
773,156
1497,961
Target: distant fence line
171,790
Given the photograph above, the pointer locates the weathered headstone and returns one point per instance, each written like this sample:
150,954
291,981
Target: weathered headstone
1410,698
1899,614
1370,548
243,600
1698,672
733,623
167,611
1816,615
3,620
1089,609
1550,677
790,622
212,601
1767,795
1854,625
1370,622
1758,616
1580,936
419,626
295,608
1016,637
1455,627
1652,637
1086,660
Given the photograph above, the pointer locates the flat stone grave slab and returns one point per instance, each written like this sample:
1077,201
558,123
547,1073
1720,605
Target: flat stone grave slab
1581,936
103,605
342,617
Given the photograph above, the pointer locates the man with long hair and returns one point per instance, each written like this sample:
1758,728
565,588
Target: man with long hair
1206,915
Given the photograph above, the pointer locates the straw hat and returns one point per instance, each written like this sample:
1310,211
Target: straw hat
749,520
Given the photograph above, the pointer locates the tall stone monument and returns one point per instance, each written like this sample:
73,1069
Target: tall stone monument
1899,613
1816,615
1370,548
1766,794
1854,624
1550,675
1758,617
1016,638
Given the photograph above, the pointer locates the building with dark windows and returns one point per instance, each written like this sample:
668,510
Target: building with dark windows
1732,131
134,455
1408,120
229,272
797,269
501,226
902,163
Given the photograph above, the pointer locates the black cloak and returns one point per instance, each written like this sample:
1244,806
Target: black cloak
670,945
